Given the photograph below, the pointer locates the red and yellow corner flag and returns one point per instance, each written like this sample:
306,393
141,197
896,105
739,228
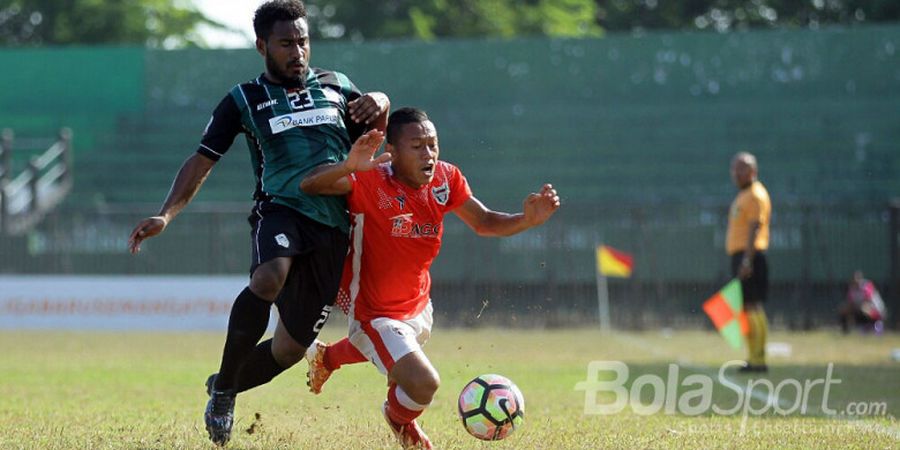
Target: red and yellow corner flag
613,263
726,310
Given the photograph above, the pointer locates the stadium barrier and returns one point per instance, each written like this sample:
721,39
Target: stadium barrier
542,277
43,183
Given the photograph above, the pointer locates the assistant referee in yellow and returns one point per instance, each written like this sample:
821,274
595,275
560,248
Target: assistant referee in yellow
746,242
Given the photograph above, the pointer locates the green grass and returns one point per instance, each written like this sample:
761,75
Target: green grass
145,390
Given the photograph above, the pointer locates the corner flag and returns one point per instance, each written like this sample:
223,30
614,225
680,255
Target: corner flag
726,310
614,263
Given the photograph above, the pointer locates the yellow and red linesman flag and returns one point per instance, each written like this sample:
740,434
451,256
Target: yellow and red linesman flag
613,263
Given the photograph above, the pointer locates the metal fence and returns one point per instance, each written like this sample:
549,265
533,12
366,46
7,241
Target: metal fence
544,276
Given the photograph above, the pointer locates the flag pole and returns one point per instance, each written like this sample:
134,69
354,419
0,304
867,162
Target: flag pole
602,298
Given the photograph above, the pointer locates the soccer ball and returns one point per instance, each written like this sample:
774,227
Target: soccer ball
491,407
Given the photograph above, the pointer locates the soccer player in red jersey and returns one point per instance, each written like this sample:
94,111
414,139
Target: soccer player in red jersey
397,210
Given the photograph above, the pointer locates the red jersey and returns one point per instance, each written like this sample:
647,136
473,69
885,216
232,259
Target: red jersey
395,235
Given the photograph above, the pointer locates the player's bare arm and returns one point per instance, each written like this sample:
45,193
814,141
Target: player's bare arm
188,181
371,109
331,179
536,209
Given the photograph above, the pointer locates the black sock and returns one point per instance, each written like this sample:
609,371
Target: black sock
259,368
246,326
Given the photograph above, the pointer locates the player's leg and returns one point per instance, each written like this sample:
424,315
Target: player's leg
341,353
272,252
760,280
317,275
324,359
414,382
250,318
246,325
301,316
757,337
755,290
396,349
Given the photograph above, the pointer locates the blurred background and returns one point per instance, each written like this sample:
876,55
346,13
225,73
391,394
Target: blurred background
631,108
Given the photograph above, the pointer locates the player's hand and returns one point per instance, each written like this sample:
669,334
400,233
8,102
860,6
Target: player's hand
745,271
147,228
368,107
360,158
538,207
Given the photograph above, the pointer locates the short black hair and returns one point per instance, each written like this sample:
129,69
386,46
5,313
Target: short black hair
276,11
402,117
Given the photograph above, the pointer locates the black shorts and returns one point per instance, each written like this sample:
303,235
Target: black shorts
756,288
317,251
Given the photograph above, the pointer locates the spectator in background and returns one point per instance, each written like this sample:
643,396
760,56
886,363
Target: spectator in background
863,306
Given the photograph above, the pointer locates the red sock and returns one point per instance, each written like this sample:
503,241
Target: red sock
397,412
340,353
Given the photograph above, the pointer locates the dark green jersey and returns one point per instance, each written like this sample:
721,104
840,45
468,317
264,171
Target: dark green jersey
290,130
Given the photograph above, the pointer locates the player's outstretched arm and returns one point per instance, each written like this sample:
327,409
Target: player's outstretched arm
331,179
371,109
188,181
536,209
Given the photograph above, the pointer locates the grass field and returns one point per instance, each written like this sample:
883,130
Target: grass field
141,390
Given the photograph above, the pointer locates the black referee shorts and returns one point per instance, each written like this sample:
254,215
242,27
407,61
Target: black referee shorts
317,251
756,288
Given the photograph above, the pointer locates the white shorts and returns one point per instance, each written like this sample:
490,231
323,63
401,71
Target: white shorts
384,341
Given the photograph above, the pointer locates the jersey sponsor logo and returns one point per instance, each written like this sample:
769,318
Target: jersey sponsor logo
267,104
311,118
282,240
403,226
441,193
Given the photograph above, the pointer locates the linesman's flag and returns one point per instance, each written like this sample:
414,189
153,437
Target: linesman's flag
726,310
613,263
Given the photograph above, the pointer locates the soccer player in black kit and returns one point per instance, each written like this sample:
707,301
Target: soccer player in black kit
295,118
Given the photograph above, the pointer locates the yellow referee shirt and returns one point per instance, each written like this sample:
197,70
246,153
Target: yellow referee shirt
751,205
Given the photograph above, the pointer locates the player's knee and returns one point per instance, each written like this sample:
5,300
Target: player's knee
286,353
422,388
432,383
267,282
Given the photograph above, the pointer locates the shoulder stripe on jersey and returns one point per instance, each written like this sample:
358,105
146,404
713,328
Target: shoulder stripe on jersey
344,82
252,133
315,82
287,100
207,147
269,96
244,96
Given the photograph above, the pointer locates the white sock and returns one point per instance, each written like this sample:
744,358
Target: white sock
407,402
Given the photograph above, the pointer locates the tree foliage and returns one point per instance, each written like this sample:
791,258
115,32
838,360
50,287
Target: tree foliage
726,15
174,23
430,19
154,23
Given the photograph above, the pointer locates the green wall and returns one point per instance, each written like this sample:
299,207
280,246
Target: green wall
636,132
